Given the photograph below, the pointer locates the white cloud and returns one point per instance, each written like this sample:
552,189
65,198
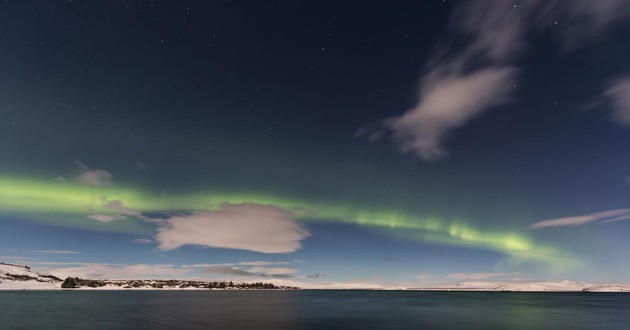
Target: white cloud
141,241
602,217
58,251
121,212
260,228
273,270
423,276
448,103
619,95
66,263
277,272
118,207
126,272
462,82
244,263
104,217
227,270
262,263
93,177
478,276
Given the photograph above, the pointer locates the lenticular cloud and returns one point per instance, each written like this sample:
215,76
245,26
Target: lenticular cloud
260,228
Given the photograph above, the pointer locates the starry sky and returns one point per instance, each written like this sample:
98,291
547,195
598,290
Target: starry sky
320,143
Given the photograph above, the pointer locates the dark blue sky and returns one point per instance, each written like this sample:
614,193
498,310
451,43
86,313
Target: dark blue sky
384,142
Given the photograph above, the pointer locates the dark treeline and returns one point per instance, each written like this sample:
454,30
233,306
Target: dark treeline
14,265
75,282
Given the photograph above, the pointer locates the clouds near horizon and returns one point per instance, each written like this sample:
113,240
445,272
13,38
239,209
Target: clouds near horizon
275,272
122,272
478,276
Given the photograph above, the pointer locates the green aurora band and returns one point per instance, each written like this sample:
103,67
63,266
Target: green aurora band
68,204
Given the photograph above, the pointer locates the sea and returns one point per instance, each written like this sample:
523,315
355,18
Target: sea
311,309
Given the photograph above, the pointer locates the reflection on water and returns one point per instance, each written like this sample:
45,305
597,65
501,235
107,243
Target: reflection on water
312,310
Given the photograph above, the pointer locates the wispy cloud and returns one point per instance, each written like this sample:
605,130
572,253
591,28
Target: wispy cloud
252,227
448,101
478,276
262,263
423,276
125,272
242,263
141,241
619,96
601,217
15,258
271,269
227,270
276,272
120,210
66,263
462,82
104,217
58,251
93,177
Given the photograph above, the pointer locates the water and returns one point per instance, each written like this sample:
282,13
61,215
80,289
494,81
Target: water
311,310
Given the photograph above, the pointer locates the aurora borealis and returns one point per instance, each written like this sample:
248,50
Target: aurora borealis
75,203
323,142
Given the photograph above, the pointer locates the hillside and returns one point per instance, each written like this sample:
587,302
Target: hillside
18,277
533,286
22,277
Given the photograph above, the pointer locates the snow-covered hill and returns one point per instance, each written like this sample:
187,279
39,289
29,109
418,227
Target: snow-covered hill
536,286
16,277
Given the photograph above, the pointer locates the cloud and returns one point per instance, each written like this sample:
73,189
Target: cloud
93,177
243,263
262,263
121,212
227,270
276,272
602,217
104,217
66,263
473,69
448,103
315,275
58,251
253,227
141,241
423,276
619,96
273,270
478,276
125,272
118,207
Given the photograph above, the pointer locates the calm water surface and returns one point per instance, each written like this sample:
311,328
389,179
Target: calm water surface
311,310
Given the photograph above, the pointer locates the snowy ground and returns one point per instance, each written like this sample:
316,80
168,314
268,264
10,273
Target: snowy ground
19,278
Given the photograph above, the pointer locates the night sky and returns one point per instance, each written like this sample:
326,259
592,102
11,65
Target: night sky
317,142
